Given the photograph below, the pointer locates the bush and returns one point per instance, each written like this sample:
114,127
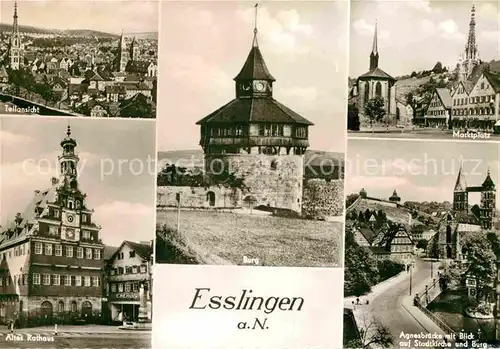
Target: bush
388,269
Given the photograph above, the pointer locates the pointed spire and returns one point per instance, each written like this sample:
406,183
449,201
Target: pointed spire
460,185
375,43
68,132
374,54
15,23
254,68
255,43
488,183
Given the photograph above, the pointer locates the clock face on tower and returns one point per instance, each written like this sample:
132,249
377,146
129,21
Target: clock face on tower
70,218
259,86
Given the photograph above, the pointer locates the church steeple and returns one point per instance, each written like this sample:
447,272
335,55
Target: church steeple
374,53
471,46
15,55
15,26
254,79
460,184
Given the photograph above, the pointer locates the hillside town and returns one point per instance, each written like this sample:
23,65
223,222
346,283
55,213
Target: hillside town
83,73
440,258
462,98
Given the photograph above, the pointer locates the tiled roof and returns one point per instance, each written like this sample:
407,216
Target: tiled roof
137,66
444,95
254,110
254,68
377,73
17,231
116,89
494,80
143,250
109,251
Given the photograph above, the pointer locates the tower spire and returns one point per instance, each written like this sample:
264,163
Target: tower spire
255,30
374,54
375,43
15,27
471,46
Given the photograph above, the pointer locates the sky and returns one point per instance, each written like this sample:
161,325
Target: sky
419,171
415,34
110,16
304,45
111,153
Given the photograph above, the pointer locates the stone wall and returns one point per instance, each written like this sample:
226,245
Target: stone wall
271,180
323,199
200,197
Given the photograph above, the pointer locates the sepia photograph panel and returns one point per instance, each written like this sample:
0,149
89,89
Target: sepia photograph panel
77,231
422,244
251,148
424,69
79,58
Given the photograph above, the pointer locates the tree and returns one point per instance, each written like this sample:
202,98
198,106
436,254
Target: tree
481,260
375,109
349,200
413,74
353,122
438,68
361,271
422,243
372,333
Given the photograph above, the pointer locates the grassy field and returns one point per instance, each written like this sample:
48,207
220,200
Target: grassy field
226,238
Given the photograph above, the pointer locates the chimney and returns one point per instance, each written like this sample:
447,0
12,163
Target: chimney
54,180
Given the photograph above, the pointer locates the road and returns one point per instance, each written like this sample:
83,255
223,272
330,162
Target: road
388,306
135,340
417,134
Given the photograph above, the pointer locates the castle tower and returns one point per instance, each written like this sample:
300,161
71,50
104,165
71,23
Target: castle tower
374,54
122,56
460,195
395,197
134,50
488,197
256,137
15,54
471,55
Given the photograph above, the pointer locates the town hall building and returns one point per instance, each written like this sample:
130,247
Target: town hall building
51,255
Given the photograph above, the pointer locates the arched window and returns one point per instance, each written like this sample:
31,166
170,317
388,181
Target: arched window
367,91
74,307
448,234
211,198
378,89
60,307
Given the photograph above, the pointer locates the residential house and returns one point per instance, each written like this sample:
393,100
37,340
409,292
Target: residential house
438,110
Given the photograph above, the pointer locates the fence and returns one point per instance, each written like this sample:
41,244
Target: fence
430,293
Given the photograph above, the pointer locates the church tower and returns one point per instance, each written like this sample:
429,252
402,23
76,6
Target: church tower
134,50
488,197
470,58
460,195
122,56
15,54
376,83
257,138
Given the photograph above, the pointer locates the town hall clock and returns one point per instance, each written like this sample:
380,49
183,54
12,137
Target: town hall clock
70,219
